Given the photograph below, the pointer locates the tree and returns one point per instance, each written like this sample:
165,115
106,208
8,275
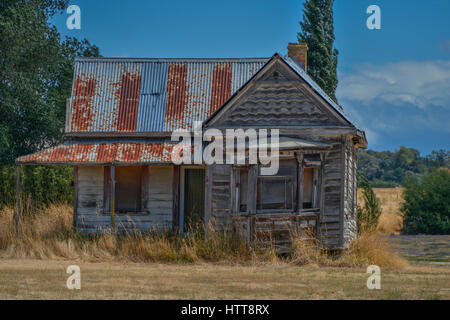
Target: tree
35,76
317,30
36,72
427,204
369,214
390,169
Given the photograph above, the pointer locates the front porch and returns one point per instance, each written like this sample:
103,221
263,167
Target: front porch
277,229
132,195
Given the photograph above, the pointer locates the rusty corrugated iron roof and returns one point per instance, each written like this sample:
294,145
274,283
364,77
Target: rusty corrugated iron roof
121,96
102,153
152,95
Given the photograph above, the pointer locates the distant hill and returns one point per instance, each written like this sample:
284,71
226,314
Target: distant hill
385,169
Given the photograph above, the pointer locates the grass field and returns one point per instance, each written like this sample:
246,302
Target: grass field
34,267
43,279
423,249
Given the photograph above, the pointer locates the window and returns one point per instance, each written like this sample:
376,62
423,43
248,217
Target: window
278,192
131,189
275,193
242,190
128,189
309,187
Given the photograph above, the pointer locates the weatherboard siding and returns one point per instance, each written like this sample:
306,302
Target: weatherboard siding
350,195
330,224
91,217
218,196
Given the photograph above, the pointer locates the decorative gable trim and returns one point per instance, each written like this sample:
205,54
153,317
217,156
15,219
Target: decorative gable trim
280,80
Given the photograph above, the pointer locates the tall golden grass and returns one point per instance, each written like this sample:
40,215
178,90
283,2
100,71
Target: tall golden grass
391,200
47,234
368,249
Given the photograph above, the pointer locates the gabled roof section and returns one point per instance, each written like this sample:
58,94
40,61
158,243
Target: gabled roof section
151,95
294,66
302,73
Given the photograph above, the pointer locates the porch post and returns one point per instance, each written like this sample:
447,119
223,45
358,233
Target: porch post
252,192
252,189
144,187
176,198
300,181
75,196
18,196
112,186
321,197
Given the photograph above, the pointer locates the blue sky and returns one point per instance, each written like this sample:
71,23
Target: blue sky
395,81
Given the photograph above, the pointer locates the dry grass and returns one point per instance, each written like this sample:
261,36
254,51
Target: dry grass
368,249
391,200
47,234
372,249
46,279
164,266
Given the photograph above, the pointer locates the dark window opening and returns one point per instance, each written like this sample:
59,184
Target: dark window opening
309,188
243,189
278,192
275,192
128,189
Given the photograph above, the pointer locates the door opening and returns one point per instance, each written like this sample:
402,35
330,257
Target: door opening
194,199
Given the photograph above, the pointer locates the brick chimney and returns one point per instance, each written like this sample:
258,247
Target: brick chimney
299,51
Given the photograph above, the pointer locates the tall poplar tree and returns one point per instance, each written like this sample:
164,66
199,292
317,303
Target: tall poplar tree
317,31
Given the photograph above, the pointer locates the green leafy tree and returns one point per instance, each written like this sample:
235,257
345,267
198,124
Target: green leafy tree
35,76
36,72
369,214
427,204
390,169
317,30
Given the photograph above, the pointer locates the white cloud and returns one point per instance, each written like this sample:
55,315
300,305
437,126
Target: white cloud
422,84
401,103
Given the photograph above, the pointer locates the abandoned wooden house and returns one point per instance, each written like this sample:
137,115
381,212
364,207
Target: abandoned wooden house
118,129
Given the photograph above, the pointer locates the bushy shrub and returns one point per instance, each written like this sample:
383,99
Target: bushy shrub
42,184
427,204
369,213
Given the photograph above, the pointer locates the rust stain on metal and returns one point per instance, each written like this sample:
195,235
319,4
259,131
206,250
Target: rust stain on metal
119,152
127,95
81,152
177,95
106,153
150,152
84,91
221,86
130,152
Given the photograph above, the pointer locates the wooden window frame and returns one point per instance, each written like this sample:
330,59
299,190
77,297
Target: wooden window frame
317,181
293,191
109,206
260,190
297,198
236,191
